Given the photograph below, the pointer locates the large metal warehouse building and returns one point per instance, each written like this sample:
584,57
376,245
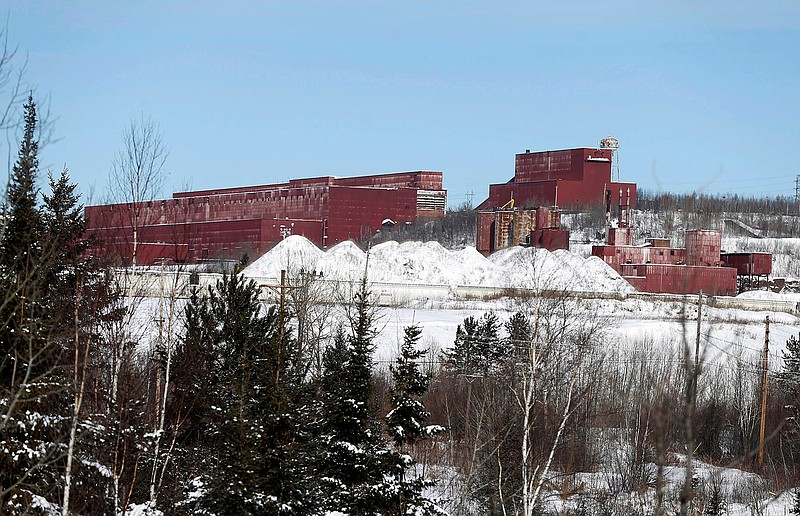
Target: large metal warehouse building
226,223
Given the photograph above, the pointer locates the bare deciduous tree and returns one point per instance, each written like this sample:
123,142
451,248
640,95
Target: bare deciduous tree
138,173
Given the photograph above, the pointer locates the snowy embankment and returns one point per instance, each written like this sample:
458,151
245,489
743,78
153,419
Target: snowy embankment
428,263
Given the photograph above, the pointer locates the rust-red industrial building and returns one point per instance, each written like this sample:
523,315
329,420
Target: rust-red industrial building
657,267
573,179
509,226
226,223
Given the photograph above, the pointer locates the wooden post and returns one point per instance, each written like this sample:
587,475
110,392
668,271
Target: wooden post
764,381
697,353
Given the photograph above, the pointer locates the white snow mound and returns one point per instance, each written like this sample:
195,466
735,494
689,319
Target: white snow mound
430,263
292,254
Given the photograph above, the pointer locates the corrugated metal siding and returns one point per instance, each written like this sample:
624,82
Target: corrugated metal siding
225,223
550,238
757,264
683,279
703,247
483,240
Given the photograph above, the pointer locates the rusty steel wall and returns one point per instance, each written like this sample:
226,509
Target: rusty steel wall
568,164
542,218
683,279
483,240
525,195
617,255
746,264
225,223
503,229
550,238
357,213
423,179
703,247
619,236
658,242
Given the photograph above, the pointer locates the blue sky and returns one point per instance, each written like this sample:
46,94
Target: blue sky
703,96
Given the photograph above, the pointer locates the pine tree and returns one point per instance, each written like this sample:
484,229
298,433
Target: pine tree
478,348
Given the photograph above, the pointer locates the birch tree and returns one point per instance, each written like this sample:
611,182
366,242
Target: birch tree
138,174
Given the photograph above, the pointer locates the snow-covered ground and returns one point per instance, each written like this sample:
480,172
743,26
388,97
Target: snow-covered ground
731,339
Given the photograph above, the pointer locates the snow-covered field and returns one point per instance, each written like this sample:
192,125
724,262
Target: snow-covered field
731,339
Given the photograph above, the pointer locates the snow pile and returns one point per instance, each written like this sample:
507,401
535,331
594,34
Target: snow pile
291,254
769,296
344,261
528,267
428,263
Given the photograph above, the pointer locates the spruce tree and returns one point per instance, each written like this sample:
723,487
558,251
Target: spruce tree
518,328
355,465
789,382
19,248
243,393
32,430
478,348
406,424
63,222
406,421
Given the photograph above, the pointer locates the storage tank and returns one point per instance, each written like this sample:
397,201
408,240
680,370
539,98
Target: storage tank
703,247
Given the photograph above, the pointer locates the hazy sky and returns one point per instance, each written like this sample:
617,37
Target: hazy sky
702,95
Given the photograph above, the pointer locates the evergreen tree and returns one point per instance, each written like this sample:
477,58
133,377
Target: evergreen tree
478,348
31,428
63,222
789,378
19,247
357,470
244,397
788,381
406,423
518,328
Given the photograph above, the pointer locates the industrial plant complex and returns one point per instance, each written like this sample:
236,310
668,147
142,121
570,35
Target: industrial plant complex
229,223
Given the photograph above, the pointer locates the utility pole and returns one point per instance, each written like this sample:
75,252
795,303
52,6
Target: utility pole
282,288
765,366
697,351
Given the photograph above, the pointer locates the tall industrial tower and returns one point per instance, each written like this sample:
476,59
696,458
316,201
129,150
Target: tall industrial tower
613,145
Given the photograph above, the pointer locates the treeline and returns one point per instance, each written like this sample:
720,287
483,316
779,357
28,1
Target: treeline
456,229
537,403
716,203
